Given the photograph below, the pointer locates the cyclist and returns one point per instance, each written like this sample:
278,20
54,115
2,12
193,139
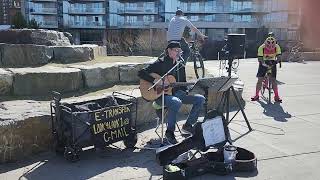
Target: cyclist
175,31
267,56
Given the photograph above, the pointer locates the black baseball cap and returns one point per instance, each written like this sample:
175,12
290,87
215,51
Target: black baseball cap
173,44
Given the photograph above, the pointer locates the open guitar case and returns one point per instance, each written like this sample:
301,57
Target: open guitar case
180,163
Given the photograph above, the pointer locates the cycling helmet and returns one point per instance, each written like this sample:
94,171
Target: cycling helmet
270,34
270,43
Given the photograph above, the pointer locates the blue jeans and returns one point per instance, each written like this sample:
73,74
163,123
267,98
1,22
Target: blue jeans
173,104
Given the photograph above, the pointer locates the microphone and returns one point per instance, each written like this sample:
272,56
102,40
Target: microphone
181,60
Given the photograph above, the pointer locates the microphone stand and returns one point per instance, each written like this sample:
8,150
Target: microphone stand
162,87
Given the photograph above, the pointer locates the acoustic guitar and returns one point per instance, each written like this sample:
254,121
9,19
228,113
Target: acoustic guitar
156,92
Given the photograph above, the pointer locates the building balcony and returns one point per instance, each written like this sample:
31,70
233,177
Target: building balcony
202,24
137,24
44,0
48,24
137,11
48,11
87,10
88,0
87,25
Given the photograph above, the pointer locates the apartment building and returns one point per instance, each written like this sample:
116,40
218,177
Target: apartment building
8,9
85,19
45,12
90,20
219,17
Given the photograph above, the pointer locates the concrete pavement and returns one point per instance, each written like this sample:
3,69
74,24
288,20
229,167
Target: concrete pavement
285,138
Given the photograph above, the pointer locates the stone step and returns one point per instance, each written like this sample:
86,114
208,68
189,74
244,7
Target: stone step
72,77
31,55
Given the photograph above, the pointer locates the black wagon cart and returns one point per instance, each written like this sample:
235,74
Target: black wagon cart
98,123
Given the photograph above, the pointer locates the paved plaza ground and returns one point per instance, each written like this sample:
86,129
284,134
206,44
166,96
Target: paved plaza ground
285,138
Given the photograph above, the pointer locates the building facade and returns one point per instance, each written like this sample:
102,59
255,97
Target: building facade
8,9
90,20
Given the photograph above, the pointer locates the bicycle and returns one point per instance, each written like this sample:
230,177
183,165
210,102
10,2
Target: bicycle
224,60
267,82
197,59
295,54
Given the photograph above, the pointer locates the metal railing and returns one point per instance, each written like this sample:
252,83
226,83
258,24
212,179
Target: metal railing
44,10
87,10
77,24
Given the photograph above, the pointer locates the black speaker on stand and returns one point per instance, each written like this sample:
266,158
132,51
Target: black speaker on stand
236,45
234,49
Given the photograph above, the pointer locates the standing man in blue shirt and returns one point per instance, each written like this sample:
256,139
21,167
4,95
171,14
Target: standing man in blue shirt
175,32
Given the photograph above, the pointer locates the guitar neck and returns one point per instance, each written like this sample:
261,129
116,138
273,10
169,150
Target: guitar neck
176,84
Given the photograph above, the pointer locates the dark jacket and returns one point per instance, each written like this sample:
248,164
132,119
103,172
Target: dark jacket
161,66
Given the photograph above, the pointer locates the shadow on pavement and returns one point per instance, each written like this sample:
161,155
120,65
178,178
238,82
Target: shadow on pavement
92,164
275,111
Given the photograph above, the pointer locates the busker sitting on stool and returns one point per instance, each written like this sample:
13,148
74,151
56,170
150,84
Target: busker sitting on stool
267,56
179,94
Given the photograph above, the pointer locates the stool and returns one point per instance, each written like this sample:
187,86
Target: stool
158,109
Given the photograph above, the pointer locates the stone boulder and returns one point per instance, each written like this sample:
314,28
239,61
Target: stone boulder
25,129
129,72
98,75
43,80
6,79
34,36
72,54
24,55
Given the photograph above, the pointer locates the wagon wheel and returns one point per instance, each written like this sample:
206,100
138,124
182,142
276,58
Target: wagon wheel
58,145
71,154
131,140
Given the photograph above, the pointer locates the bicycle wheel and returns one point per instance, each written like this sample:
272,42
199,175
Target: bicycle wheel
264,87
198,66
235,63
269,90
223,64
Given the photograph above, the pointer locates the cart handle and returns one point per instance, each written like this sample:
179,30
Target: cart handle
115,93
56,95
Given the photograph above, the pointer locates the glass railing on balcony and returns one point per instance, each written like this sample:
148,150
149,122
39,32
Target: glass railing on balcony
136,10
87,10
135,24
48,24
89,24
44,10
44,0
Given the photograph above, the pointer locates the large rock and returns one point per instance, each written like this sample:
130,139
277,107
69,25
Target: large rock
6,78
72,54
40,81
34,36
22,55
129,72
98,75
97,50
25,129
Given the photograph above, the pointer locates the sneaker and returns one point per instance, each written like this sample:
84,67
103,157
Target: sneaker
277,99
170,137
255,98
187,128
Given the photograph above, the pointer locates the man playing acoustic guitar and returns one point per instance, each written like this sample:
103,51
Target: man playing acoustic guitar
179,94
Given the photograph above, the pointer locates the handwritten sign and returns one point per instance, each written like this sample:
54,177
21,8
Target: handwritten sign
111,125
213,131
